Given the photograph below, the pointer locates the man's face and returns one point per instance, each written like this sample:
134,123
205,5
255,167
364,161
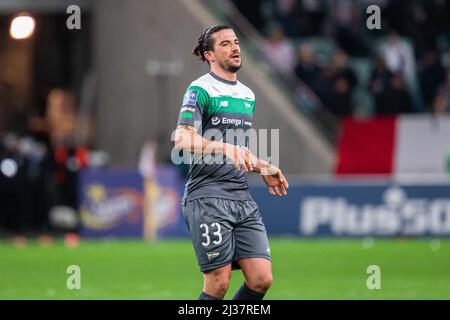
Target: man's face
227,53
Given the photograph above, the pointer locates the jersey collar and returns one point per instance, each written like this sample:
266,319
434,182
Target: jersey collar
215,76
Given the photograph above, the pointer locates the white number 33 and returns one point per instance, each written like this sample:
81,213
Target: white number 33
217,233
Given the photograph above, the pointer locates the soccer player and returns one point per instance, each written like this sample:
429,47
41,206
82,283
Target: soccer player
223,219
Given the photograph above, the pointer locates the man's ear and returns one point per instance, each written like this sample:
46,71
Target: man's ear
209,55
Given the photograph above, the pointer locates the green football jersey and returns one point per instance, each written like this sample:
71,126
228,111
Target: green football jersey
219,110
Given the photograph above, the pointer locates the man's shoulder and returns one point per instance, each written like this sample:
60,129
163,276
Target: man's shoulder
203,82
246,91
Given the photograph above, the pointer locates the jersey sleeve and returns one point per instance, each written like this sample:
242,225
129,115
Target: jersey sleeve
195,104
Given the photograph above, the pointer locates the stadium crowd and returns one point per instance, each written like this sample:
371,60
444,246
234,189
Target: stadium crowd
408,59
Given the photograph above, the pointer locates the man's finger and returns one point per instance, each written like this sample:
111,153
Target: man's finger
277,191
253,159
285,182
236,163
249,162
234,158
249,159
283,179
243,162
283,189
271,191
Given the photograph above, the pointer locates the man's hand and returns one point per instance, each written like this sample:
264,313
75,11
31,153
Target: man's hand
272,176
240,157
275,180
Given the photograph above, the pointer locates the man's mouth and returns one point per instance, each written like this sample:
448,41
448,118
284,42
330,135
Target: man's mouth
235,56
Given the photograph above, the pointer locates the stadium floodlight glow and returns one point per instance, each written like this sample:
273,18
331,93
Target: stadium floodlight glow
22,27
8,167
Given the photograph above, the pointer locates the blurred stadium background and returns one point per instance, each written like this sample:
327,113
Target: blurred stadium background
86,117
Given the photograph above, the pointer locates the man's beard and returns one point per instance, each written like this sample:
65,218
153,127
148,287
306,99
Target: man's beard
234,69
230,67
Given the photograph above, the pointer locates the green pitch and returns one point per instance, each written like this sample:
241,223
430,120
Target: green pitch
303,269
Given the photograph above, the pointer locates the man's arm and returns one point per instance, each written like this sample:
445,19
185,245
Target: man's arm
187,139
263,167
272,176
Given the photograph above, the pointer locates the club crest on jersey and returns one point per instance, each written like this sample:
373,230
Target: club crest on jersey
190,98
247,105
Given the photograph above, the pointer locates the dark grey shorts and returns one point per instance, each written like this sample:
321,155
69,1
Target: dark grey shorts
224,231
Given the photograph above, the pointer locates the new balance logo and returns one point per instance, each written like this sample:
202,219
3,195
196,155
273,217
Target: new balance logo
212,255
224,103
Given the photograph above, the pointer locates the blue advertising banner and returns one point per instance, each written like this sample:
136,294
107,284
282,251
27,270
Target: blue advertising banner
111,203
166,204
357,209
121,203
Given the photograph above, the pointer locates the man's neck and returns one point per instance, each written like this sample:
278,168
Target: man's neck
227,75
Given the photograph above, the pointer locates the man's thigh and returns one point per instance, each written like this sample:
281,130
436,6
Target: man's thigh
255,269
210,224
250,234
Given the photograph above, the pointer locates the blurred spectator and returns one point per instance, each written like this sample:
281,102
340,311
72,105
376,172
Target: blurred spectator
398,98
441,103
279,52
399,57
344,81
419,31
310,17
252,10
400,15
342,13
61,122
436,20
379,84
346,27
431,76
323,85
61,117
65,157
340,64
307,69
286,15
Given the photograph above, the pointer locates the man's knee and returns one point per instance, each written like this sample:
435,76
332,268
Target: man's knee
221,285
217,282
261,282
